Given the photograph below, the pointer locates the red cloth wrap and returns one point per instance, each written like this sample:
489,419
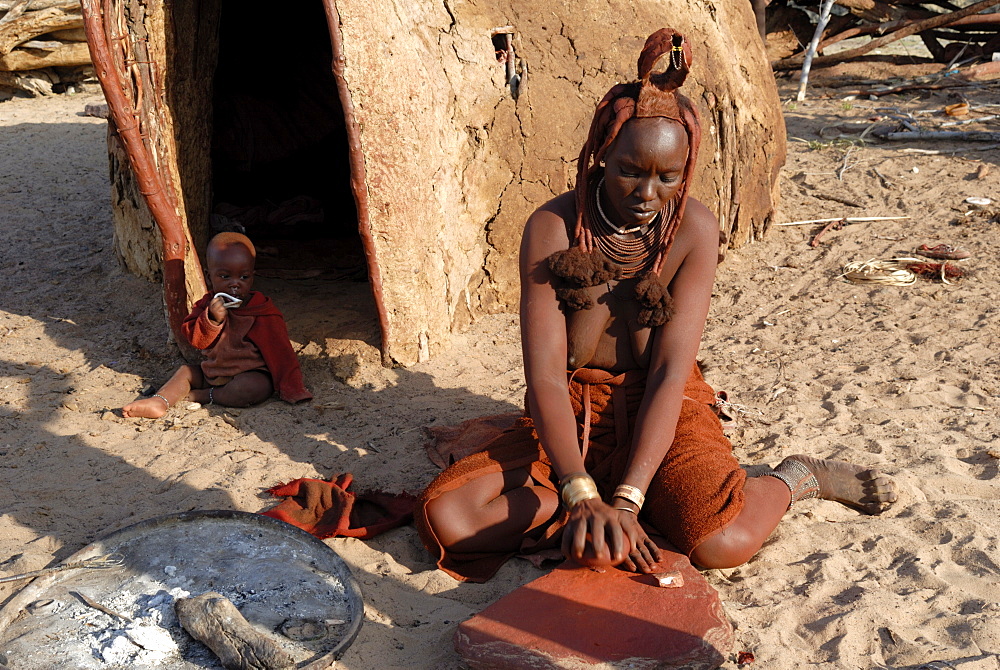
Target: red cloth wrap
268,333
328,509
697,490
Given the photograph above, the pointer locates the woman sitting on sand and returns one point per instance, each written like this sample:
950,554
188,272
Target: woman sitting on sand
616,278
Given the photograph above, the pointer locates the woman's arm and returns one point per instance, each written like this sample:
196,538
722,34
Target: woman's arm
544,345
544,340
675,346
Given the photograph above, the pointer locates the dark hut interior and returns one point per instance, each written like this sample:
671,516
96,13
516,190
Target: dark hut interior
279,148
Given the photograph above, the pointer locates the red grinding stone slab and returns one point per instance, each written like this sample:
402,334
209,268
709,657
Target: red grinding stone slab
574,617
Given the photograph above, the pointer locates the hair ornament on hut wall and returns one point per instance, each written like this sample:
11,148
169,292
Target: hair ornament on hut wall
595,240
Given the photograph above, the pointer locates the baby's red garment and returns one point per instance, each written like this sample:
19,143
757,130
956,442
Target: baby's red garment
267,333
328,509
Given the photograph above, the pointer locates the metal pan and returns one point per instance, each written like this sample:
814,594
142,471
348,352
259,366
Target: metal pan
287,583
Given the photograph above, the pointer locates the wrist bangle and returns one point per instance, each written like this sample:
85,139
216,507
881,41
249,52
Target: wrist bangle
631,494
576,488
627,509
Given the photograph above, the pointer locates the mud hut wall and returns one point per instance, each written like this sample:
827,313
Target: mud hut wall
743,133
431,97
425,91
192,45
576,58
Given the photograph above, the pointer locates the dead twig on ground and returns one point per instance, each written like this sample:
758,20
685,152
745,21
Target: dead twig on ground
845,166
833,225
946,135
90,602
968,121
886,182
839,198
938,152
848,219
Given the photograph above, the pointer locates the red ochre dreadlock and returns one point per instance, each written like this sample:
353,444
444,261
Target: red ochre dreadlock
653,95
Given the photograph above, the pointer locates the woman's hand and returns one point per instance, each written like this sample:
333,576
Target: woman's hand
594,536
642,551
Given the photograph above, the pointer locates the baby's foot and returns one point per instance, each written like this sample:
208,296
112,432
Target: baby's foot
150,408
861,488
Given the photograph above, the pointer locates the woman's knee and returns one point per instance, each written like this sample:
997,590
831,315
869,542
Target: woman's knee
726,548
445,518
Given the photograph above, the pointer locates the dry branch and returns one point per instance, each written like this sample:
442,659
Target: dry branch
35,5
70,54
70,34
32,24
949,135
33,83
19,7
793,62
976,22
212,619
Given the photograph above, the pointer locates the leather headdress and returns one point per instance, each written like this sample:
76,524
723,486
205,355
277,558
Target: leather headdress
654,95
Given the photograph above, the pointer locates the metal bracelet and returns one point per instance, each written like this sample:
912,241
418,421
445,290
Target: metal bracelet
577,488
631,494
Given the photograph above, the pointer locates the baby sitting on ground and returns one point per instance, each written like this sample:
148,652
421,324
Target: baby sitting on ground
244,338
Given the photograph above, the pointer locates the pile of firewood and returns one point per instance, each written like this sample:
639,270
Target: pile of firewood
43,48
951,33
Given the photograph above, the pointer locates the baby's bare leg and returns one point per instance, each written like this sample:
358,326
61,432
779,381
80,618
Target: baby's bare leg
186,378
245,389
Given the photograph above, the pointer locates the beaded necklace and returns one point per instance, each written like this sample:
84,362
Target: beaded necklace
634,254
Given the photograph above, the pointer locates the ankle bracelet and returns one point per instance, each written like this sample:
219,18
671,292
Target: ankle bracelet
211,392
799,479
165,401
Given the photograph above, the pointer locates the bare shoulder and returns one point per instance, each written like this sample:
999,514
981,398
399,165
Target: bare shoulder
699,224
547,228
697,238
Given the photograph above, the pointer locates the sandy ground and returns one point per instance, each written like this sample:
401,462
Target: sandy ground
902,378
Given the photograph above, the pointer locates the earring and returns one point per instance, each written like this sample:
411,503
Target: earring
677,55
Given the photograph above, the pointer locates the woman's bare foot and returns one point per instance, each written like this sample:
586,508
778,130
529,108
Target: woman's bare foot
150,408
861,488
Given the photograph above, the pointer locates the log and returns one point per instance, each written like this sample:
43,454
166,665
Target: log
32,24
35,5
794,62
70,34
975,22
19,7
949,135
70,54
34,83
44,45
213,620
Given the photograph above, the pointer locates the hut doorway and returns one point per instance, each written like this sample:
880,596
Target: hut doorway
280,160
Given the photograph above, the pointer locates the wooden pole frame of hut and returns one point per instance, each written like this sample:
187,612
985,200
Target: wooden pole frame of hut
123,109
